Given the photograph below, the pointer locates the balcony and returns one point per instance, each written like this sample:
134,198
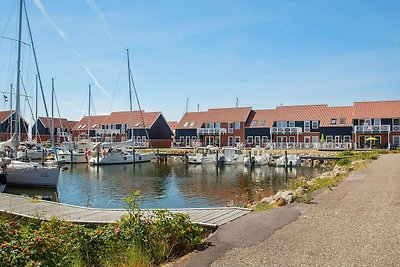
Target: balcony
108,131
374,129
211,131
286,130
396,128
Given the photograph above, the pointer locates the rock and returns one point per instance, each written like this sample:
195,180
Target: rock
300,191
278,194
290,199
287,193
267,199
279,202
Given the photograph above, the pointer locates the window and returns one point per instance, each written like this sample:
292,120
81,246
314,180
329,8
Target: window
337,138
123,138
94,126
347,139
396,121
281,139
218,125
261,123
342,121
307,139
307,124
237,125
329,138
254,123
186,124
144,138
315,139
191,124
230,125
315,124
264,139
292,124
377,121
281,124
230,140
250,139
365,122
237,140
257,140
83,126
333,121
217,141
291,139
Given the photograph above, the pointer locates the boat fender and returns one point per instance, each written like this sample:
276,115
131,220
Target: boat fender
124,158
3,178
140,157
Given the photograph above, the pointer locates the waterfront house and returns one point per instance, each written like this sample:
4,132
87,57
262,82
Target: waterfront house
217,127
145,128
62,129
258,133
7,120
376,123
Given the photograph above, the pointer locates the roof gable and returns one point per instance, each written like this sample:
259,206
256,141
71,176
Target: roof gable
377,109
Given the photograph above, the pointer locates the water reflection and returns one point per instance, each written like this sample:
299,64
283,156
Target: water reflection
172,184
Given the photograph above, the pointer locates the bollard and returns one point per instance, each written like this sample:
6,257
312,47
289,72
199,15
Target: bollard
286,160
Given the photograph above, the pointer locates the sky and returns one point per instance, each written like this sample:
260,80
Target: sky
266,53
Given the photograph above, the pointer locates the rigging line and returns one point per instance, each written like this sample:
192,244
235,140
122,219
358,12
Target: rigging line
27,100
59,114
36,62
9,18
116,85
140,109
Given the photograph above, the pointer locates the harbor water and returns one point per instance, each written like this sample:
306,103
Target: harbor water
168,185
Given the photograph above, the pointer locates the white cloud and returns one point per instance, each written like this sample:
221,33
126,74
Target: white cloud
89,72
100,16
41,8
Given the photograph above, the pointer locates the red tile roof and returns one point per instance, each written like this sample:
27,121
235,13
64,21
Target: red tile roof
377,109
95,122
125,117
58,122
196,119
299,112
263,118
339,114
4,115
172,124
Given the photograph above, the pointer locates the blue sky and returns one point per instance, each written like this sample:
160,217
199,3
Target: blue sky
266,53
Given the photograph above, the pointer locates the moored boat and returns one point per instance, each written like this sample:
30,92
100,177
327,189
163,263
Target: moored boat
203,155
292,161
230,155
256,157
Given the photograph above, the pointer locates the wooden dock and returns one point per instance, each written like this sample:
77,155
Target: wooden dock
210,218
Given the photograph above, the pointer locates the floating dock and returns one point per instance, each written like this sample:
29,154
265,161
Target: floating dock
210,218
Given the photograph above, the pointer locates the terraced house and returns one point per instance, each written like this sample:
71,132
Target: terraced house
145,128
217,127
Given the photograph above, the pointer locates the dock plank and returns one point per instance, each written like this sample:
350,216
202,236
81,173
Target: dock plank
47,210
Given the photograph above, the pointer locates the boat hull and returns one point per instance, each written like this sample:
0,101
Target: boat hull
76,158
121,159
31,154
19,174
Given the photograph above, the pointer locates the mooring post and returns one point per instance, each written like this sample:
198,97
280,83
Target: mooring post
250,159
286,160
133,154
70,153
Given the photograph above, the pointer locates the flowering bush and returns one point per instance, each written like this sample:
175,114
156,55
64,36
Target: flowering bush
135,240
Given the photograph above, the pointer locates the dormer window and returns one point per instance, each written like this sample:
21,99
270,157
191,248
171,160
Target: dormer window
137,124
186,124
191,124
342,121
333,121
261,123
254,123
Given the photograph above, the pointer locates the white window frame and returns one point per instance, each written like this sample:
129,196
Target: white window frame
264,139
342,120
230,140
237,139
257,140
329,138
307,139
315,126
398,121
192,124
292,124
281,139
292,139
186,124
313,139
217,125
253,123
250,139
376,120
346,139
181,139
281,124
333,121
338,138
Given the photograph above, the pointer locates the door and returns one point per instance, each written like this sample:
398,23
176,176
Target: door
315,139
257,140
337,139
307,139
396,141
187,143
230,140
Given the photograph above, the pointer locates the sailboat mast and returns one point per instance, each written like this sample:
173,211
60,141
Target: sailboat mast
52,113
36,108
17,93
11,110
88,120
130,93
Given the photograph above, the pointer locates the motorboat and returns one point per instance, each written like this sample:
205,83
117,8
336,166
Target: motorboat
118,153
292,161
31,151
203,155
230,155
256,157
80,151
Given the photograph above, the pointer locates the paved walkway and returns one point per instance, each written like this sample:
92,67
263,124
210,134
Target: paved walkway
356,224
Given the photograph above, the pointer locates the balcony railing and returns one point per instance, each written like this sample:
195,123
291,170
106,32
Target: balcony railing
372,129
108,131
396,128
211,131
286,130
319,146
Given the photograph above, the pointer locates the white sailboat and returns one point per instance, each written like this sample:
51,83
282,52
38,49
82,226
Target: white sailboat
292,161
203,155
256,157
18,172
230,155
118,153
121,152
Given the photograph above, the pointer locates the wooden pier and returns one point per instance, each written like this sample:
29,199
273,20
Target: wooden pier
210,218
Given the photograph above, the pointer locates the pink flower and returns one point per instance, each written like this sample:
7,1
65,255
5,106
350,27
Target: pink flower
117,230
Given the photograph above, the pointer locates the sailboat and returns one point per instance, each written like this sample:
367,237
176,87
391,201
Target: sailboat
121,152
79,152
18,172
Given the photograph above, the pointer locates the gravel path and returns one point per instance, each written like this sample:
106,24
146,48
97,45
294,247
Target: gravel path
356,224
